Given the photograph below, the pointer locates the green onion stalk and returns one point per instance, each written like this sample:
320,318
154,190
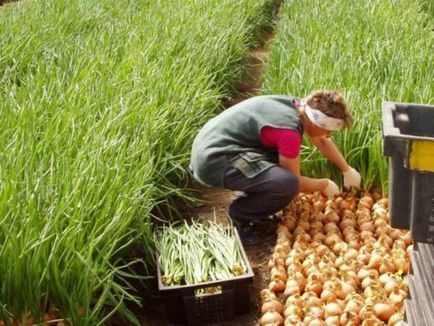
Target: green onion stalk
197,253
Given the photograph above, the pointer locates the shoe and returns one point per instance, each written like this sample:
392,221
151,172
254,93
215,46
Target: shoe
238,194
246,232
270,221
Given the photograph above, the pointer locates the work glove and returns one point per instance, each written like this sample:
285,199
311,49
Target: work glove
352,178
331,189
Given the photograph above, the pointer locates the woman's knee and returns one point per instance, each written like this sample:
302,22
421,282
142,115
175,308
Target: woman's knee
287,184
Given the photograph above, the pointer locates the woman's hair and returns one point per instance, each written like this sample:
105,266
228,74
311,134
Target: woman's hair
331,103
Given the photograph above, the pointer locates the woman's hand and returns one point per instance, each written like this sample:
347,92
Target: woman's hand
331,189
352,178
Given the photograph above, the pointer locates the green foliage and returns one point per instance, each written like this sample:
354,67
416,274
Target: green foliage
99,102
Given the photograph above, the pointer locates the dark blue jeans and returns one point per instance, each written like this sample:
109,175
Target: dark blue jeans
266,193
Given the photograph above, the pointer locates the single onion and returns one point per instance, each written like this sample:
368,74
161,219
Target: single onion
291,291
292,320
294,300
340,261
330,227
347,267
272,305
367,281
355,244
346,290
354,306
394,233
351,278
279,274
375,260
351,254
277,286
316,312
318,236
364,234
293,310
386,266
332,309
328,296
391,285
348,223
384,311
314,286
340,247
330,216
349,318
332,320
316,322
395,319
267,294
396,297
313,302
367,311
364,257
407,238
271,317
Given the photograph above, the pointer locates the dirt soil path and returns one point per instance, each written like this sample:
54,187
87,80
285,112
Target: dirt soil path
215,207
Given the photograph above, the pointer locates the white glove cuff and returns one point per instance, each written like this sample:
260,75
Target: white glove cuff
348,172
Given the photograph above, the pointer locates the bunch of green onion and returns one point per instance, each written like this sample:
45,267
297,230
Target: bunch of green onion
198,252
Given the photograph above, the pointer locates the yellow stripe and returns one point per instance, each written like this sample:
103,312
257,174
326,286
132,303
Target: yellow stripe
421,156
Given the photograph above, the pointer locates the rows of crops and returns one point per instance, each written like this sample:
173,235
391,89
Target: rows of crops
372,51
99,102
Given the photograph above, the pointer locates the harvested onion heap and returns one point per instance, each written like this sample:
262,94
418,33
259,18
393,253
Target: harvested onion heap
337,262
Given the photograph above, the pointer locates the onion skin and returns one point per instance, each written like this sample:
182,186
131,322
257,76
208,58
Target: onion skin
317,322
291,291
313,302
293,310
277,286
314,286
267,294
353,306
396,297
272,305
383,311
349,318
294,300
292,320
328,296
271,318
332,309
332,321
395,319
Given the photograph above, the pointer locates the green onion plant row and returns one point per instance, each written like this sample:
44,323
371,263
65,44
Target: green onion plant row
197,253
99,103
372,51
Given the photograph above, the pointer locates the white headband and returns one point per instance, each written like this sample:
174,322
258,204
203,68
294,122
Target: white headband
322,120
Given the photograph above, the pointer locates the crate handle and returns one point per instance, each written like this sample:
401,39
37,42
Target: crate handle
207,291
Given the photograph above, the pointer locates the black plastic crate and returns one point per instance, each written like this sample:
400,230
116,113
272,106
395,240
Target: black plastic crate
420,309
426,253
408,141
185,306
409,313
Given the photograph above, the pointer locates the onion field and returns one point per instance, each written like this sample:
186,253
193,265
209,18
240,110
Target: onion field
99,102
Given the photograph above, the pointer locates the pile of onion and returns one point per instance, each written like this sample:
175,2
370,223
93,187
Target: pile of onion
337,262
